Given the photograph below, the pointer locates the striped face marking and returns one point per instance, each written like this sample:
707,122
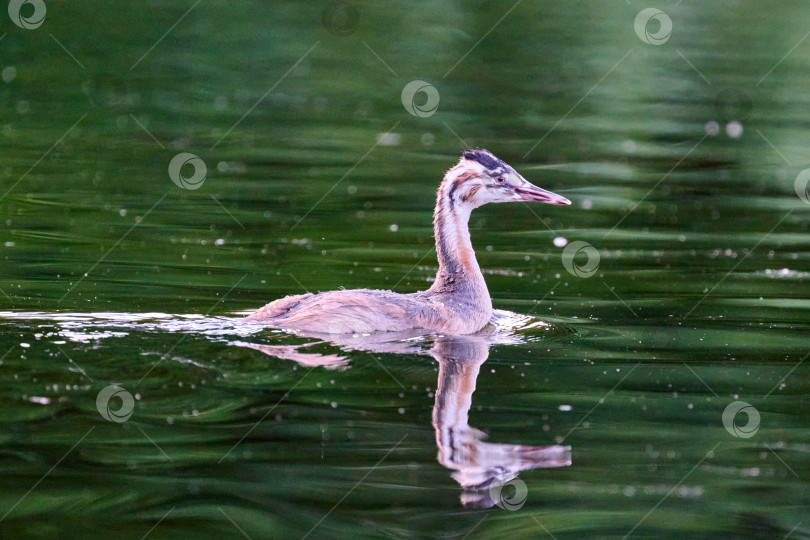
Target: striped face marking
477,170
480,178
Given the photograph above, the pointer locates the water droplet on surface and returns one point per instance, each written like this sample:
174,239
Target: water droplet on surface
734,130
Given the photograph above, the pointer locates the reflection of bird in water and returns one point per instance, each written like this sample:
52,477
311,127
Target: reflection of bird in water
458,302
481,467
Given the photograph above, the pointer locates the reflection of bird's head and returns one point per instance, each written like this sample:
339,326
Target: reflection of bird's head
480,178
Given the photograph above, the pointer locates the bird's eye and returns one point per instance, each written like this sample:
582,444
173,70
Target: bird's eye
500,180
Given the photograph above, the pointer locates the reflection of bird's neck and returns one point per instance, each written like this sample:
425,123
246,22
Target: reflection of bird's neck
459,362
453,400
459,273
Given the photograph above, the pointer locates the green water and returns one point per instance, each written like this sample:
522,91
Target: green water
682,160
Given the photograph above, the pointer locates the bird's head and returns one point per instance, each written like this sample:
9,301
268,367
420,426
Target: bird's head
481,178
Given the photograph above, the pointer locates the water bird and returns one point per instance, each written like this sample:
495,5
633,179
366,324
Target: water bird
458,302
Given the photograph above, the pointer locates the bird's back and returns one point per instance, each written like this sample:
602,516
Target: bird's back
364,311
340,312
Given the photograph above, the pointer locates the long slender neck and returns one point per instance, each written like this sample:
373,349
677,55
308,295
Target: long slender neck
458,269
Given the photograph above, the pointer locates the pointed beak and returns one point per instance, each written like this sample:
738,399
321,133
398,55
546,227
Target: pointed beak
530,192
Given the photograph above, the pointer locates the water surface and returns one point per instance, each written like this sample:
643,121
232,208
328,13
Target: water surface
682,160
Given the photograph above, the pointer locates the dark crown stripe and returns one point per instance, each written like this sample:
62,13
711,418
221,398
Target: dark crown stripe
485,158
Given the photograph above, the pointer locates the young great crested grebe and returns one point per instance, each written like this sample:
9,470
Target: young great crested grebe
458,302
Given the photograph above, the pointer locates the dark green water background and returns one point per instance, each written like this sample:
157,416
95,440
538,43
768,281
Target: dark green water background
681,161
